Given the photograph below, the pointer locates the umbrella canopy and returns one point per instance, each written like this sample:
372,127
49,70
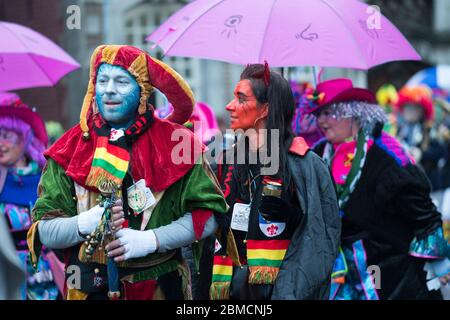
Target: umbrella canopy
28,59
327,33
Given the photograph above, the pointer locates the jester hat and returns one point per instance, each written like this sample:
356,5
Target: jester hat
148,72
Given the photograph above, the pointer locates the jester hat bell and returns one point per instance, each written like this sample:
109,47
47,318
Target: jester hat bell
148,72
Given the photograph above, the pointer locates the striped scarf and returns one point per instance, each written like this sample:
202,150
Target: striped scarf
266,245
264,259
112,152
221,277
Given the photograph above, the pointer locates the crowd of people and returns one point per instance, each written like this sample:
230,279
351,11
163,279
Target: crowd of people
357,207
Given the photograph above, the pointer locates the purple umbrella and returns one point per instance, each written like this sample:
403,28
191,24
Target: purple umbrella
28,59
327,33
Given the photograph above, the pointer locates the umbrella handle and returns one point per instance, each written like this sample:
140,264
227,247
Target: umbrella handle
316,76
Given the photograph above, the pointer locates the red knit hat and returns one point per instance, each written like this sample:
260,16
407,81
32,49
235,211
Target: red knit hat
420,95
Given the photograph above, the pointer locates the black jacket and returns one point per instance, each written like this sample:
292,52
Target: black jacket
388,208
306,269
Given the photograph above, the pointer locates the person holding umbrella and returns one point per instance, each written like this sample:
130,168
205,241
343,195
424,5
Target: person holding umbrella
285,227
23,139
391,230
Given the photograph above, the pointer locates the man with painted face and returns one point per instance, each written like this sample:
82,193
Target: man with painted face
163,205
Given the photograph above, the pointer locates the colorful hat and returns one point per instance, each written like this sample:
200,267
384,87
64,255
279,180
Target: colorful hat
202,113
12,106
420,95
149,72
338,90
387,95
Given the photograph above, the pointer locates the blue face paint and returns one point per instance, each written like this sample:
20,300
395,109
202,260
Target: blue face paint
117,94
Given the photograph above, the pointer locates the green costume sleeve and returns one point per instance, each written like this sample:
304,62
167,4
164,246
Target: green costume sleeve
198,189
201,190
55,199
56,193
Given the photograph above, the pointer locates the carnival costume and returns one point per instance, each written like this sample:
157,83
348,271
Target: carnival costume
92,151
285,248
390,227
18,193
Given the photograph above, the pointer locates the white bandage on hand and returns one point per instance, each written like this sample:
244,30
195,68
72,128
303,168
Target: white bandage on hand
137,243
89,220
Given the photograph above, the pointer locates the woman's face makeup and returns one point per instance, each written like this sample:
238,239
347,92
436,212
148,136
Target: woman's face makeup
12,147
244,109
336,130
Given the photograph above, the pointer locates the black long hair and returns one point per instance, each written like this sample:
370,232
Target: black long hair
270,87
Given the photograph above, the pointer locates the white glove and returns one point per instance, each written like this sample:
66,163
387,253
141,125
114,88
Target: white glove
435,270
137,243
89,220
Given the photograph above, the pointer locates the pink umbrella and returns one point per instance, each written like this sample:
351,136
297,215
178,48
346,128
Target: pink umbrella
327,33
28,59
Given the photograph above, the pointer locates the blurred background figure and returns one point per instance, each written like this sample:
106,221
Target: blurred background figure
22,141
304,124
415,118
12,274
54,131
387,97
441,172
203,122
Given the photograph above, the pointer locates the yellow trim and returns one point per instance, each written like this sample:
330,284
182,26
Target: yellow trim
32,238
74,294
102,153
232,250
139,70
266,254
109,53
90,92
223,270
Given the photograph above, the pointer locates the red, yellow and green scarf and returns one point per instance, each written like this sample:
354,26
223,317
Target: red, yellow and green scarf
264,254
264,259
112,151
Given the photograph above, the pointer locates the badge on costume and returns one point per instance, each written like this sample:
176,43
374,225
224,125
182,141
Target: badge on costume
271,229
217,246
140,197
98,280
241,214
116,134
